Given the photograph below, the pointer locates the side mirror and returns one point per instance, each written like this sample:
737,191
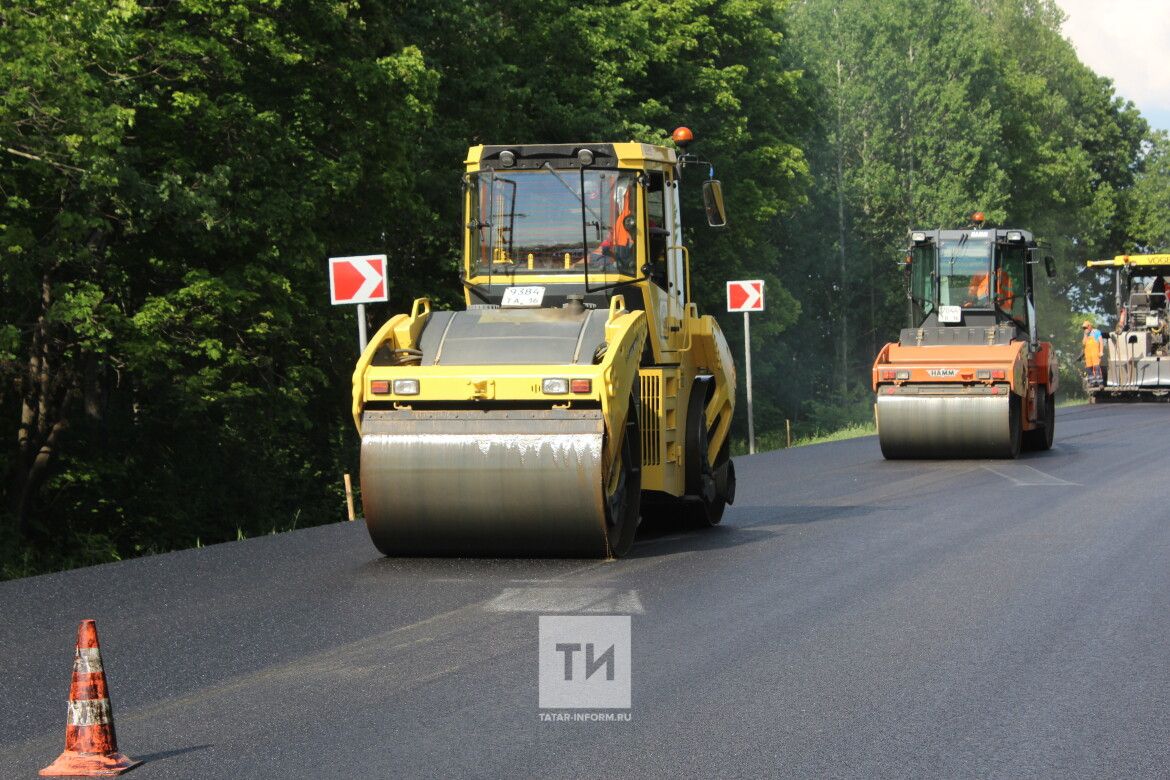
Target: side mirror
1049,266
713,203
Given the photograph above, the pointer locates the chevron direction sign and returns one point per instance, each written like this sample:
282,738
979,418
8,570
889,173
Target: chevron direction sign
360,279
745,295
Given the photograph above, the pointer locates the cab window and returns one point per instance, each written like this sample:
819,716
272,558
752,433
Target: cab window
1010,288
656,228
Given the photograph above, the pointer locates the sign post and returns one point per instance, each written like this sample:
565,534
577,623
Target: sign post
747,296
360,279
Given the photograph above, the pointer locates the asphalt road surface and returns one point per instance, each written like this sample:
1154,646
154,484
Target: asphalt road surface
852,617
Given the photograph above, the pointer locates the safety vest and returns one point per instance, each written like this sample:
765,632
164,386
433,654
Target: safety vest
1092,349
1003,282
618,214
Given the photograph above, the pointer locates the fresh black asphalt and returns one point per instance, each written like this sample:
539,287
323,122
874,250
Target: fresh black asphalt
852,617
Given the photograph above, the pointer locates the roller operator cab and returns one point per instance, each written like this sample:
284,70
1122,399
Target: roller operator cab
969,378
579,388
1136,363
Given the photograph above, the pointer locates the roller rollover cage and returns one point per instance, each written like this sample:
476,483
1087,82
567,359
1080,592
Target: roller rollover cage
578,386
969,379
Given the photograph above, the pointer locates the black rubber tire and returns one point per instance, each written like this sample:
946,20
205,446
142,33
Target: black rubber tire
1040,439
706,502
709,488
725,473
622,506
696,439
707,512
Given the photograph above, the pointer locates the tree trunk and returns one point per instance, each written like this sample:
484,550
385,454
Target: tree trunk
45,397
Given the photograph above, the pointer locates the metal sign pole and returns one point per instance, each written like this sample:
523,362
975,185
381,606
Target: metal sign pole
359,279
362,340
747,359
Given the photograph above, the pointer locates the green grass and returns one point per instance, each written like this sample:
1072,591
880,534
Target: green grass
776,440
849,432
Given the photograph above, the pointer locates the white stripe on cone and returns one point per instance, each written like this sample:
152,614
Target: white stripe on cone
88,660
91,712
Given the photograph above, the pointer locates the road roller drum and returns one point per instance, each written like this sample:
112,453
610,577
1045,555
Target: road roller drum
474,483
948,426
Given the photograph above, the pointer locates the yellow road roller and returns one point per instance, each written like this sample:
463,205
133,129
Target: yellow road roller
579,386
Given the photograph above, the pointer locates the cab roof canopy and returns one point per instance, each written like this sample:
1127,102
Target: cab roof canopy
599,155
996,234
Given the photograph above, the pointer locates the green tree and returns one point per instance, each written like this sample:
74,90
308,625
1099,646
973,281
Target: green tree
63,122
930,111
174,177
1149,229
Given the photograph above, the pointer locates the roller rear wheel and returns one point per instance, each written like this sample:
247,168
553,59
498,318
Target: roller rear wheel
1041,438
707,510
711,486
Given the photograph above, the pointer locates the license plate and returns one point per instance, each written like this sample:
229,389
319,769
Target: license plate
950,314
522,296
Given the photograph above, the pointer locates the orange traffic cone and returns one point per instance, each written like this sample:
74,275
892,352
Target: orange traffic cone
91,749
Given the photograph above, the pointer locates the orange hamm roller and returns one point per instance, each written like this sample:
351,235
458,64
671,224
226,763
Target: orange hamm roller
969,378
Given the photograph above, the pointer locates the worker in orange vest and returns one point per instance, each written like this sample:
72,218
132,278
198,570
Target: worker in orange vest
978,291
1091,344
616,252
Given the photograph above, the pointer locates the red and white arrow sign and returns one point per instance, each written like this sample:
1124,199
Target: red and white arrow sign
360,279
745,295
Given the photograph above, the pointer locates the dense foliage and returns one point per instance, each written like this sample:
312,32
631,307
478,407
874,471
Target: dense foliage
173,176
932,111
